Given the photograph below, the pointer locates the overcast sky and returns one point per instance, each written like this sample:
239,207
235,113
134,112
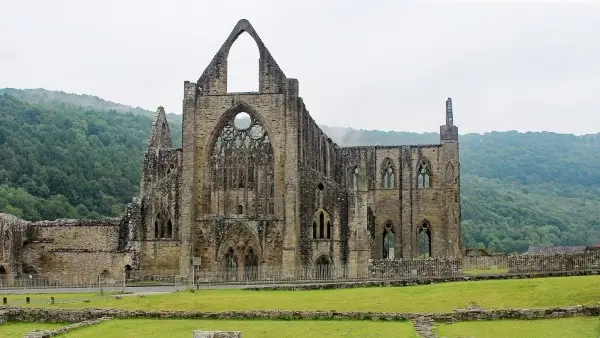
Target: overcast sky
387,65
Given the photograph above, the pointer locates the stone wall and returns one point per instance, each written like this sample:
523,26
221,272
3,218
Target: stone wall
65,329
407,268
16,314
554,262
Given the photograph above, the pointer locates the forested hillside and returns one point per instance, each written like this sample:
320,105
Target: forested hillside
78,156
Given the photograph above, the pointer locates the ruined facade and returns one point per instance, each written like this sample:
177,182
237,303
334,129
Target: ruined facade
258,185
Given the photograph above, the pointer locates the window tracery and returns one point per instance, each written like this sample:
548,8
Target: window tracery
322,225
388,174
424,174
243,168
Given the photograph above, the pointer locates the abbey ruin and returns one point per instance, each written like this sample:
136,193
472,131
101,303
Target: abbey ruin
256,184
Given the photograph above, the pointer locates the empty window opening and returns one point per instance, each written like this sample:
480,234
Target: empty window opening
128,271
321,225
251,265
240,209
321,186
169,229
424,240
423,176
388,177
355,178
389,242
230,265
242,65
242,121
156,229
2,270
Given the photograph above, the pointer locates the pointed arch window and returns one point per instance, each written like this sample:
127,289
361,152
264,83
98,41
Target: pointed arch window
388,175
242,165
424,239
424,175
242,62
230,265
389,241
163,226
354,171
322,225
251,265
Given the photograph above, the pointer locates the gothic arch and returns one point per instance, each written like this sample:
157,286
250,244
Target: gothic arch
240,238
389,241
242,163
323,266
243,26
388,174
353,177
423,174
211,81
322,224
424,239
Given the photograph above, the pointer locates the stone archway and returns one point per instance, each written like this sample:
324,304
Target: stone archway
251,265
230,266
323,267
239,253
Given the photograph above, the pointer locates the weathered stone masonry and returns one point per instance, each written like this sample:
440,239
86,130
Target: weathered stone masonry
258,186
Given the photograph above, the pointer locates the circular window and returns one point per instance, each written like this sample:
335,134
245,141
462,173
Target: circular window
242,121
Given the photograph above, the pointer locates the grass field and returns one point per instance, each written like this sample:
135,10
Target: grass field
578,327
19,329
520,293
250,328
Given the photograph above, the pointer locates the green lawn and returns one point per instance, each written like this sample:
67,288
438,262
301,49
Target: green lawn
578,327
444,297
19,329
251,328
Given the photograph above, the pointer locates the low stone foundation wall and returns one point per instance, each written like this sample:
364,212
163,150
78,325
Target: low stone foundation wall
412,281
63,330
554,262
411,268
82,315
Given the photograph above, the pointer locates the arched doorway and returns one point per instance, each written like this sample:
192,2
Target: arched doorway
128,272
251,265
424,240
3,275
389,241
323,268
230,266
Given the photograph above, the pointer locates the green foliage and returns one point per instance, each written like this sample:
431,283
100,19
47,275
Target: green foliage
63,161
66,155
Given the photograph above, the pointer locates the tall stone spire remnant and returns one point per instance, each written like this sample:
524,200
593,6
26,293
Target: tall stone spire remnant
449,117
160,136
